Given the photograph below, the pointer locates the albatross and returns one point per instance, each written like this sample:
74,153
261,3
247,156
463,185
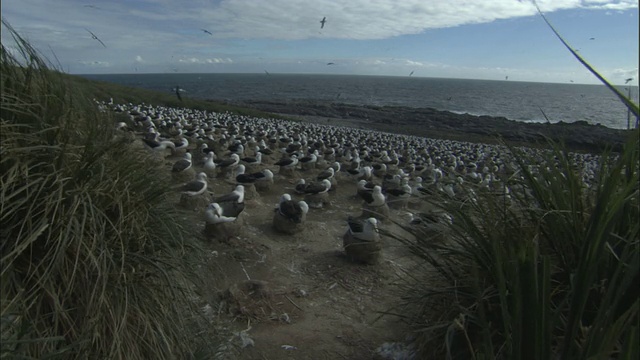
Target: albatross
95,37
291,210
197,186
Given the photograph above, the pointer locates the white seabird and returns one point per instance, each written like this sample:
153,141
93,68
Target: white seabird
183,164
292,210
197,186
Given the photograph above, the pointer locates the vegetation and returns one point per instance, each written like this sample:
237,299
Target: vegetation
549,271
94,262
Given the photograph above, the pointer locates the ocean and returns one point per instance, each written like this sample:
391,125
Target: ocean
519,101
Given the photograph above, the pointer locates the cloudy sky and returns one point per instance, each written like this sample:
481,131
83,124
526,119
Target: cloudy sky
479,39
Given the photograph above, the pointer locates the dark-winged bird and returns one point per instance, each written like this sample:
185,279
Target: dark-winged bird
411,73
207,31
628,80
330,63
324,20
178,93
95,37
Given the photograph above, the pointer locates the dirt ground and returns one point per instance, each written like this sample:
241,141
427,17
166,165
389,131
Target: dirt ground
298,296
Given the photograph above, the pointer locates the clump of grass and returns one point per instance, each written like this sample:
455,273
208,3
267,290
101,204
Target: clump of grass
93,260
551,272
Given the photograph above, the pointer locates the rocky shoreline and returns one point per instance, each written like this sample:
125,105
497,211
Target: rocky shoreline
429,122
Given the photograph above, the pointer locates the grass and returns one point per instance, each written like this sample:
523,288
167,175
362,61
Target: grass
94,263
550,272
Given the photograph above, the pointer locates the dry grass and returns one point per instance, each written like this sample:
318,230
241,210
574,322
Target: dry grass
94,263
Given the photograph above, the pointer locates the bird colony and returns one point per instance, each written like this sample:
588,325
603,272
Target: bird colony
225,164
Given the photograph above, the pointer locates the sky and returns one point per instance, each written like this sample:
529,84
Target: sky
473,39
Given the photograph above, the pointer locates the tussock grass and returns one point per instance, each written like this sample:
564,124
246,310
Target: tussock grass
94,263
551,272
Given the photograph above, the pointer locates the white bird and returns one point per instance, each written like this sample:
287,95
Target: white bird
316,188
197,186
327,174
365,230
375,198
183,164
210,165
293,211
215,214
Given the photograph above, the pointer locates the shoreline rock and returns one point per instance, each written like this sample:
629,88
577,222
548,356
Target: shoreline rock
429,122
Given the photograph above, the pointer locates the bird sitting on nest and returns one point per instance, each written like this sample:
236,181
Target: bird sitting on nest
159,147
399,197
195,187
228,164
309,162
328,174
315,193
287,165
362,241
264,180
375,204
233,201
363,173
252,162
210,165
194,193
222,221
289,216
183,167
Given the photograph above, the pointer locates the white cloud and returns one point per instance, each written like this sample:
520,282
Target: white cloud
164,35
194,60
95,63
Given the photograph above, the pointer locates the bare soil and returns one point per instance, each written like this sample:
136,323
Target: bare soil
298,296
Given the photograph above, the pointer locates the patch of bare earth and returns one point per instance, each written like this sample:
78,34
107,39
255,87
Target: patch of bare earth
298,296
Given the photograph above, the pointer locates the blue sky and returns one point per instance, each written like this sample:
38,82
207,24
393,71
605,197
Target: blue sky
476,39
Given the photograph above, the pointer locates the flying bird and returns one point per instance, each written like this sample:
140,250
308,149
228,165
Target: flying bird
626,81
592,38
330,63
207,31
178,93
411,74
506,77
324,20
95,37
266,72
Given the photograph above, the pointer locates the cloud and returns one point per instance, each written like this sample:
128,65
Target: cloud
166,34
95,63
194,60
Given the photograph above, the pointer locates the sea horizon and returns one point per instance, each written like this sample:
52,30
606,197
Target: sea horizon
523,101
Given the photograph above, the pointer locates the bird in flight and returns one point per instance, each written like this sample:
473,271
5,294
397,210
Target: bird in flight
95,37
178,93
411,74
330,63
592,38
207,31
506,77
628,80
266,72
324,20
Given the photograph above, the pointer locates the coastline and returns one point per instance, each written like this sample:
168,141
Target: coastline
429,122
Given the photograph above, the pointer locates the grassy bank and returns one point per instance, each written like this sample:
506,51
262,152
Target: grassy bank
94,262
548,271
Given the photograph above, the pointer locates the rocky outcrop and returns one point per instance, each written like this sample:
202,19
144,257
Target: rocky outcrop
430,122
